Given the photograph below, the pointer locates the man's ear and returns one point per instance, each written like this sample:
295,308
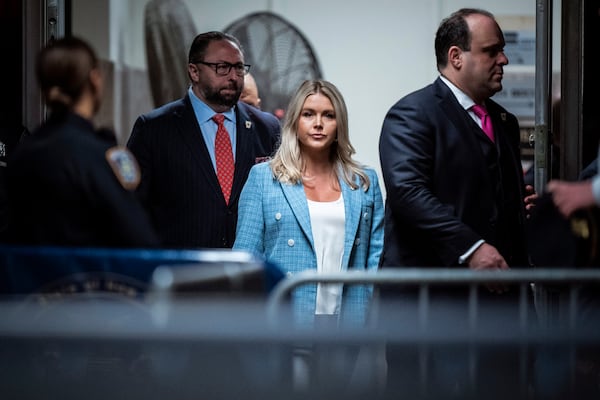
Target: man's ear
193,72
455,57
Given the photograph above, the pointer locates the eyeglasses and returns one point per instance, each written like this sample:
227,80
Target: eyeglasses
224,68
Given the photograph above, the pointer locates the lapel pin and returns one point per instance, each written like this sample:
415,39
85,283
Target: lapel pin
248,124
503,116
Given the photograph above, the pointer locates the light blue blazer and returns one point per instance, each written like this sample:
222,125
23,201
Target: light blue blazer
274,221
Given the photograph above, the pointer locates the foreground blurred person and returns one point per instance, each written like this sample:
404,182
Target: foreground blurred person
69,184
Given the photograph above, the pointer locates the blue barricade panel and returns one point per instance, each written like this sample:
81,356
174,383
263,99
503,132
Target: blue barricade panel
26,270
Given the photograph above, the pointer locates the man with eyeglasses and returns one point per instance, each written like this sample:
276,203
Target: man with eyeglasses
195,153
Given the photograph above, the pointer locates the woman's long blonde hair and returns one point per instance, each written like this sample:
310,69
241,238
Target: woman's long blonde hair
288,163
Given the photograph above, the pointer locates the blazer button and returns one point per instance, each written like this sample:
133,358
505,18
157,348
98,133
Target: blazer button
291,242
278,216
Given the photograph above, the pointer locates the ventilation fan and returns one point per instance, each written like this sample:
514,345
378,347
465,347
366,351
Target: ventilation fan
169,30
281,57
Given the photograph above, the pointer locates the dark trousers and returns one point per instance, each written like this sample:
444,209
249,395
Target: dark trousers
458,347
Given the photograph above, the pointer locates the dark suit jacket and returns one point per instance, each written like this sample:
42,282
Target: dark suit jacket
179,185
447,184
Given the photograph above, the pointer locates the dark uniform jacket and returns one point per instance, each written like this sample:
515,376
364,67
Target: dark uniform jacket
63,190
179,185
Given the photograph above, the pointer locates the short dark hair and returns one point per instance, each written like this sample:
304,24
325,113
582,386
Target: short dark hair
201,42
63,69
454,31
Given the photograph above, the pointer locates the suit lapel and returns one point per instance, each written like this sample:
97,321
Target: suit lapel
243,154
296,198
498,122
458,116
453,110
503,142
352,212
189,130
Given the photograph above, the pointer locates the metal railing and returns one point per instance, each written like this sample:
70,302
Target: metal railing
425,277
547,358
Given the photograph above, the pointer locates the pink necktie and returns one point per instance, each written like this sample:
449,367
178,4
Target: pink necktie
486,121
224,157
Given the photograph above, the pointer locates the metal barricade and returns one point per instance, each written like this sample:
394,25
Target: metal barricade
238,347
444,276
547,344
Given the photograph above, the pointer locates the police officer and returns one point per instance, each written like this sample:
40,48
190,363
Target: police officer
69,184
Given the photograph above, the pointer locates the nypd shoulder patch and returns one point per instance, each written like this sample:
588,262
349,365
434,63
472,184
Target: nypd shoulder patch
125,167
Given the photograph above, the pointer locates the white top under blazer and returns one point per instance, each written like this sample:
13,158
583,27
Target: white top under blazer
327,220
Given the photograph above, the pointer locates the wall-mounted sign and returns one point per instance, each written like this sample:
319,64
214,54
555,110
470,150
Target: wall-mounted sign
518,94
520,47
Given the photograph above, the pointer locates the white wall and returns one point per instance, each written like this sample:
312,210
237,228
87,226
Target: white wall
375,51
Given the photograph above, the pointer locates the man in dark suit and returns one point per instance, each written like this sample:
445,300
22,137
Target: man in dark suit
175,147
455,196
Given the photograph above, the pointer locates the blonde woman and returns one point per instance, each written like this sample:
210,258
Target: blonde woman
312,207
